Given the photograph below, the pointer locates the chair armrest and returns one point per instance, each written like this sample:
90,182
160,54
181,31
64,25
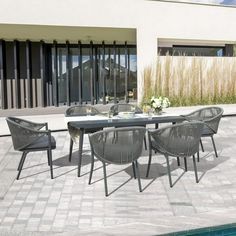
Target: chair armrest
158,132
31,124
39,125
177,140
192,117
211,123
30,135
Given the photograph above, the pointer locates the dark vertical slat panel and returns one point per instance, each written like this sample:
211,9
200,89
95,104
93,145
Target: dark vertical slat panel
96,73
103,74
114,71
99,76
42,72
48,75
229,50
50,78
91,74
55,74
128,67
60,79
29,73
16,74
119,81
126,73
23,75
68,72
3,74
80,71
9,73
109,66
11,89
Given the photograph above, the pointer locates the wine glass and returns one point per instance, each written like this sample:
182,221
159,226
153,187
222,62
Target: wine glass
89,111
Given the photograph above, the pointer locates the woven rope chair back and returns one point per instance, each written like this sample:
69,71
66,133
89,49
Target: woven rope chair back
119,145
22,133
178,140
210,115
81,110
115,109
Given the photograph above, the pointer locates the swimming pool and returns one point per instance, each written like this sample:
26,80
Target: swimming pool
222,230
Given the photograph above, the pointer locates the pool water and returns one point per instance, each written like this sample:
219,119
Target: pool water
223,230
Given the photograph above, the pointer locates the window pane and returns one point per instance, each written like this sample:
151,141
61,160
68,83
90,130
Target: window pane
132,75
74,80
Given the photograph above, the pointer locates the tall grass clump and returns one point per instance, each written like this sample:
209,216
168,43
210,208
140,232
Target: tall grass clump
191,80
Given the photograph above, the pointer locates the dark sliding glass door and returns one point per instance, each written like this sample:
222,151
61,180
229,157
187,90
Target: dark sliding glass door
38,74
95,74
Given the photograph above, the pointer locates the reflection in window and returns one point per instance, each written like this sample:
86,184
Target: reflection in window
104,77
202,51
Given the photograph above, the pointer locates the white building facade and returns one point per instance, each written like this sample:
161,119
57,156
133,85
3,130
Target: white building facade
61,52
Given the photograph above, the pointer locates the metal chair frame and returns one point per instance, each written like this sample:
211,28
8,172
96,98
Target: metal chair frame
179,140
122,107
27,133
101,137
79,110
211,123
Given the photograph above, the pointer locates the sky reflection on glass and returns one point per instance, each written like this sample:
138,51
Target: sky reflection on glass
220,2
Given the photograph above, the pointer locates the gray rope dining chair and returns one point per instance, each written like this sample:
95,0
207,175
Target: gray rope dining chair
180,140
117,146
211,117
126,107
79,110
28,137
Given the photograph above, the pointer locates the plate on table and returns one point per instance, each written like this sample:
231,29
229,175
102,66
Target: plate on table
142,115
126,114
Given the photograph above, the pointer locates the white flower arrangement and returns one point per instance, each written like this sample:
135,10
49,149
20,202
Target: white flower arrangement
158,103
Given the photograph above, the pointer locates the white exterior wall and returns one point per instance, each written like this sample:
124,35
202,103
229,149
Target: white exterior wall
152,20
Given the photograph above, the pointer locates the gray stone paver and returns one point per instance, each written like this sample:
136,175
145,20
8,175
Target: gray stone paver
67,203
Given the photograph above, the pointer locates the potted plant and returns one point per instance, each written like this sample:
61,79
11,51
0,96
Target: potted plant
157,104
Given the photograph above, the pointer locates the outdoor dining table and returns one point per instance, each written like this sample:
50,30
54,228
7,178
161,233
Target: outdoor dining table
100,121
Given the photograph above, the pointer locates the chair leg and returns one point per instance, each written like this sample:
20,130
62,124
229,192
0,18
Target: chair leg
71,148
145,142
185,164
22,160
149,161
18,168
81,140
198,157
195,168
50,161
48,157
133,166
201,145
168,170
105,179
178,161
91,170
214,146
138,176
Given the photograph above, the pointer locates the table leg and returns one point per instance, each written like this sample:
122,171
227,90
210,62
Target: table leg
81,140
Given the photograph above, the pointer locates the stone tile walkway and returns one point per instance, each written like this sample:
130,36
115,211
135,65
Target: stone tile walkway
67,205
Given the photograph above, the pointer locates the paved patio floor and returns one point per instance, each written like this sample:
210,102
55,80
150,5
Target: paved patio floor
67,205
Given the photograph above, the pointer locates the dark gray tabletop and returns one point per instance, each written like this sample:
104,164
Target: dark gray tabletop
116,122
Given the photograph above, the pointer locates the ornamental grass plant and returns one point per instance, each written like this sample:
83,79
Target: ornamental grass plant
190,81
